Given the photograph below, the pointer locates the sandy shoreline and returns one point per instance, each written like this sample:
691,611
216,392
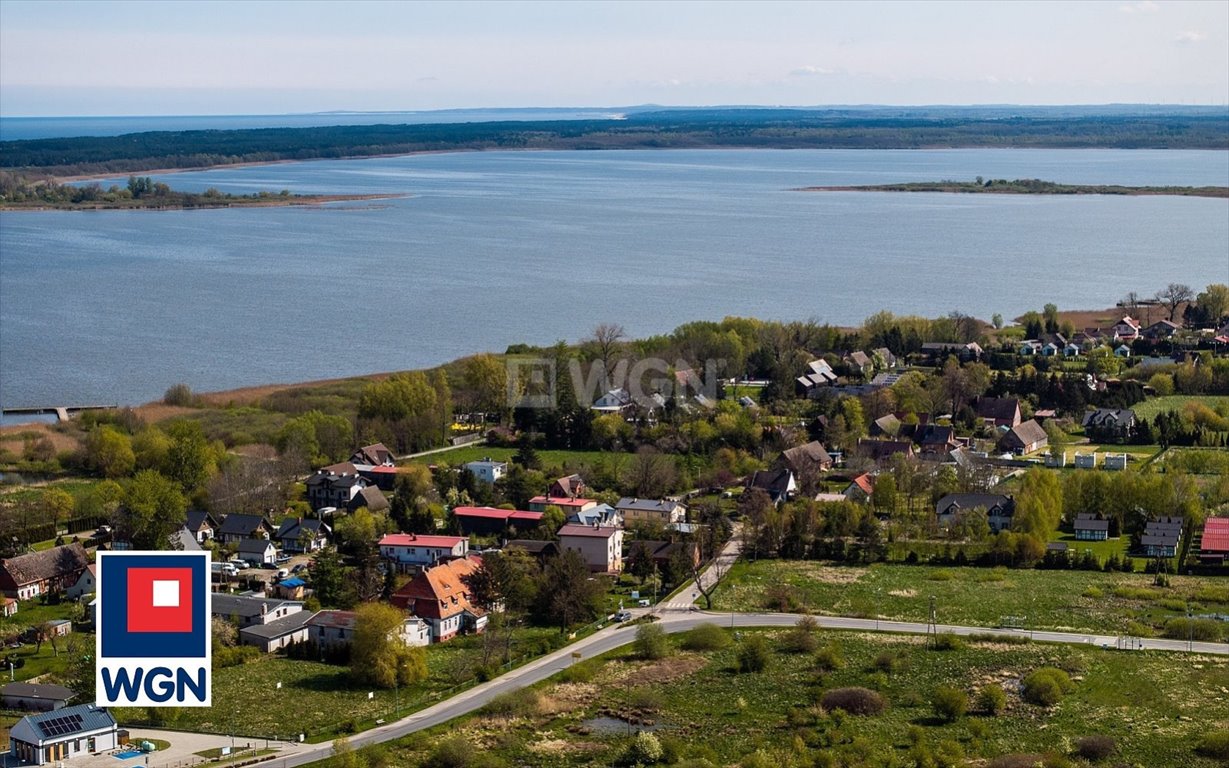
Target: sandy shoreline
272,202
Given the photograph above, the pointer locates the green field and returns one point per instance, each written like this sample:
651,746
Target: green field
1152,406
1156,706
1077,601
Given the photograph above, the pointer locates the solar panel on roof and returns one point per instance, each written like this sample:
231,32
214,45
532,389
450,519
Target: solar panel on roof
58,726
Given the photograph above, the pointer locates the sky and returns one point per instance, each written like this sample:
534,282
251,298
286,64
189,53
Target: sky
199,58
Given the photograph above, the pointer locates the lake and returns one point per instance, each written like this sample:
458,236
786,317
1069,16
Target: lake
490,249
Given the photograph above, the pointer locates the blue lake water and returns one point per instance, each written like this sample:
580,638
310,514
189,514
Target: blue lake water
490,249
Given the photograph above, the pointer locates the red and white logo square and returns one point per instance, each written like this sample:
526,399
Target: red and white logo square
159,599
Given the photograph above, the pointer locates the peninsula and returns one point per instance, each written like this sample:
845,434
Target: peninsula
1025,187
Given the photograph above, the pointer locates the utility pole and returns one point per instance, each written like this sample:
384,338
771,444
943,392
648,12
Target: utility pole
932,629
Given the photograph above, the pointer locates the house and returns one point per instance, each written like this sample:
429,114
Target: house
1214,544
1122,350
779,484
276,635
297,535
8,607
885,356
410,550
601,548
1025,437
40,573
1161,330
335,629
569,486
938,351
42,697
860,489
880,451
602,514
257,552
59,627
1115,461
998,411
488,521
86,584
370,497
1091,527
999,508
1072,349
292,588
201,525
237,527
818,375
568,504
663,511
1161,537
1085,460
249,610
487,470
183,540
806,459
931,438
1029,347
538,550
614,401
885,426
375,454
859,361
331,488
61,734
662,553
1109,423
1126,329
439,596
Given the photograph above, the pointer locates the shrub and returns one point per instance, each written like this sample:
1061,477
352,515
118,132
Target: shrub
886,662
1046,686
992,699
802,638
1136,593
1096,747
179,394
783,598
645,700
855,701
580,673
1206,630
518,703
1210,594
651,642
949,704
1137,629
753,654
1214,744
994,637
645,749
706,637
946,641
942,574
452,753
829,659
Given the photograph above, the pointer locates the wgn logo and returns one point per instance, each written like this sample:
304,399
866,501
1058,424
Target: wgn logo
153,629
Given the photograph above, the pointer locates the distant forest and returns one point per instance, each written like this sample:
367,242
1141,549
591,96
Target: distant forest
668,129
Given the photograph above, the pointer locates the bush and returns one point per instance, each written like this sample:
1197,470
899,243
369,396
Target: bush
1096,747
645,700
942,574
753,654
992,699
946,641
645,749
829,659
1046,686
1214,744
452,753
651,642
886,662
518,703
949,704
802,638
179,394
784,599
1205,630
855,701
706,637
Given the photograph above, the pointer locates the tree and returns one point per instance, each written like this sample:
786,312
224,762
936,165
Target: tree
56,504
526,456
1050,314
650,474
153,509
190,460
606,338
997,321
884,498
505,579
570,594
486,379
1174,295
1213,303
109,452
378,656
1039,504
330,579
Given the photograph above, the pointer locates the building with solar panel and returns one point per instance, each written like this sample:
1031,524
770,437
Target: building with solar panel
64,733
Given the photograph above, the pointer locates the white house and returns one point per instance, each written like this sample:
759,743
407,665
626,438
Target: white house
332,629
410,549
61,734
257,551
662,511
86,584
488,471
278,634
601,548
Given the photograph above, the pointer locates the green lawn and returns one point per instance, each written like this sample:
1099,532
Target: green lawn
1079,601
1151,407
1155,705
1102,549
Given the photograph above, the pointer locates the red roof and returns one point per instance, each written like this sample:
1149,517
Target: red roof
439,592
863,481
413,540
383,469
585,530
1215,535
561,501
496,514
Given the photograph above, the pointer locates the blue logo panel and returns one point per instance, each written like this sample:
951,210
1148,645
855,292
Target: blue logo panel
118,642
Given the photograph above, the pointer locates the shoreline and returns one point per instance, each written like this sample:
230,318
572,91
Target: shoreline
271,202
1051,189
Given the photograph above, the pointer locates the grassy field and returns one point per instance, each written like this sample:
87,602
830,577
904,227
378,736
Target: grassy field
1151,407
1102,549
560,459
1156,706
317,697
1078,601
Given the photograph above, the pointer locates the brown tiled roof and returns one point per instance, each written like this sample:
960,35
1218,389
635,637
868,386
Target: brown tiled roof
55,563
439,592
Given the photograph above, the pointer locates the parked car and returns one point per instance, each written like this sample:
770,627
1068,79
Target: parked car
622,615
282,559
